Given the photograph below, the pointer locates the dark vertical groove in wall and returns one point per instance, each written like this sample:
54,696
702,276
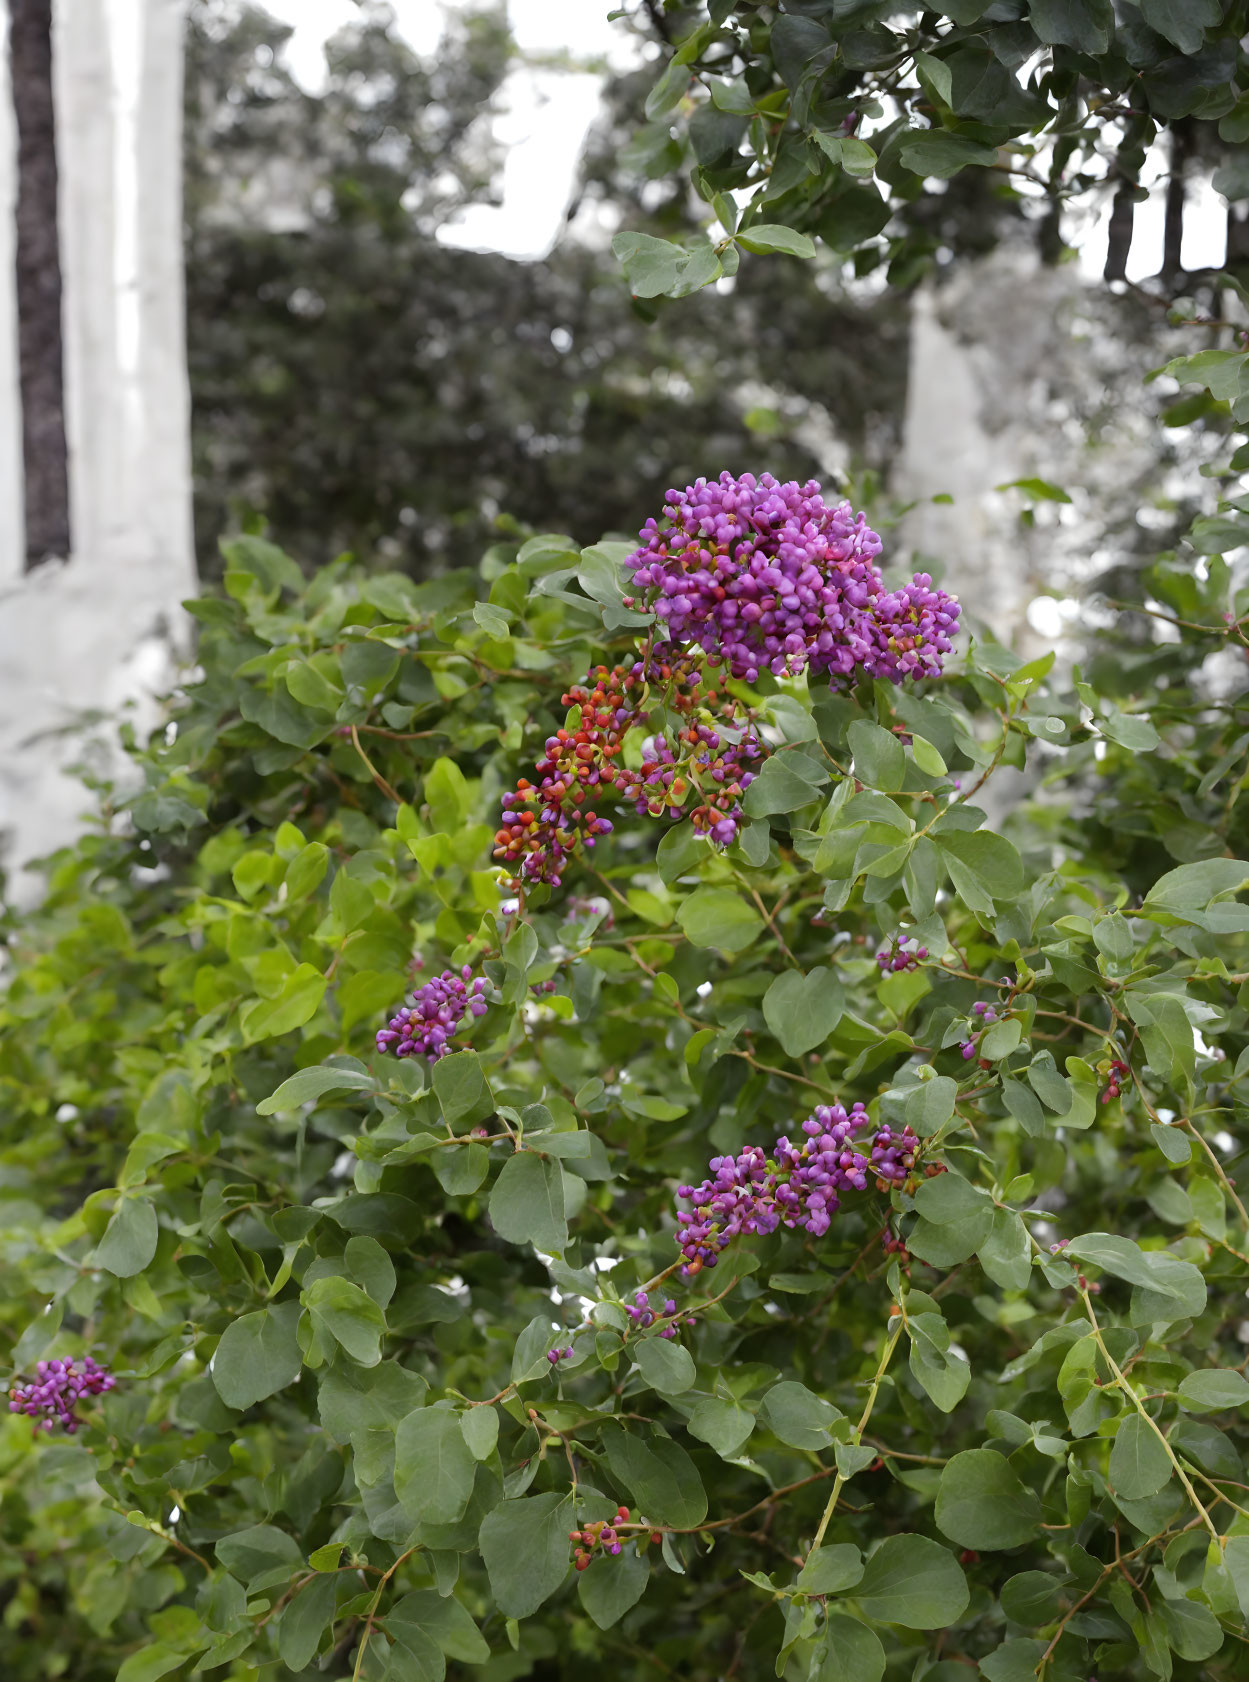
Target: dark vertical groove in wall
41,355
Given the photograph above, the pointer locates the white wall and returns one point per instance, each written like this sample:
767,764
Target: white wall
102,630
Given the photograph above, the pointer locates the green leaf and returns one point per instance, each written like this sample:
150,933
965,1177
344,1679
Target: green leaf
360,1398
668,91
803,1010
936,73
305,1621
937,152
984,868
879,757
1006,1254
764,237
258,1355
308,1085
721,1425
1129,730
830,1569
948,1198
1177,1293
798,1416
480,1428
651,265
719,917
527,1203
1123,1258
370,1266
130,1238
982,1504
296,1003
1173,1144
1213,1388
856,157
306,870
434,1468
915,1582
1193,886
462,1091
952,1242
942,1373
1182,22
1139,1464
348,1315
1086,25
930,1104
1031,1598
524,1545
611,1587
852,1652
666,1366
447,795
661,1477
1192,1629
156,1659
853,217
1001,1039
927,757
785,782
258,1550
1013,1661
442,1620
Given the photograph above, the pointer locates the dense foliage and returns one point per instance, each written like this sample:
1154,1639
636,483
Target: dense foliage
859,123
796,1234
405,1347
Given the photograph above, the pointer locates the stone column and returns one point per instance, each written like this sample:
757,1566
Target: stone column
102,631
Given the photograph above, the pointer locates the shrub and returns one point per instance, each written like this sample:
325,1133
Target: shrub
409,1380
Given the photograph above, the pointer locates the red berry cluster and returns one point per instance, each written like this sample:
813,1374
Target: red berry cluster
546,820
703,760
542,824
600,1534
1119,1072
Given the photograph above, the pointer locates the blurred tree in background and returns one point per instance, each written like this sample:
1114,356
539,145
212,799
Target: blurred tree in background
361,386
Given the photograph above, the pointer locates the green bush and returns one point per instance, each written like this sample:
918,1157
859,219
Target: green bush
327,1279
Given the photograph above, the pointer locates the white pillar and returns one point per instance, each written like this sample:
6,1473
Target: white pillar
12,532
103,630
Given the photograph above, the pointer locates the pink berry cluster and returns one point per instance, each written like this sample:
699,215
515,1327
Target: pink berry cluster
599,1535
58,1386
644,1316
894,958
766,576
1119,1072
427,1026
799,1185
987,1014
661,786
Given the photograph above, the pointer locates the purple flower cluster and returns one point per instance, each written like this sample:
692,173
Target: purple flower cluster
895,957
555,1356
798,1186
644,1316
56,1389
766,576
427,1025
